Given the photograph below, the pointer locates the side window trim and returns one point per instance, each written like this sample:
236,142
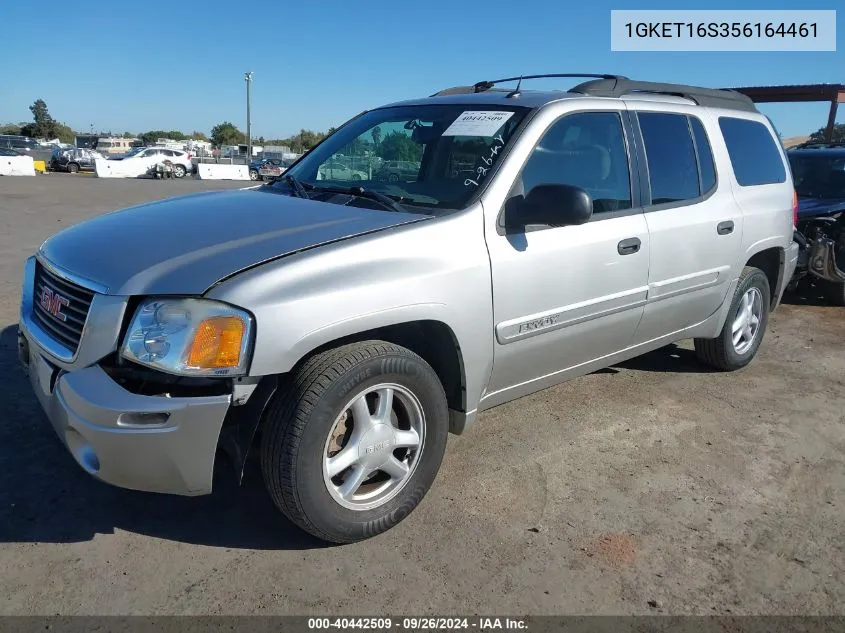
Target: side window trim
628,138
647,206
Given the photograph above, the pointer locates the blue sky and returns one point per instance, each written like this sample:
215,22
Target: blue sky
120,66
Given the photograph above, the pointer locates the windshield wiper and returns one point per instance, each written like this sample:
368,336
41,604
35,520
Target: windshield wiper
388,201
296,185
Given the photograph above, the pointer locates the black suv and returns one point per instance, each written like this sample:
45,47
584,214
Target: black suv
818,170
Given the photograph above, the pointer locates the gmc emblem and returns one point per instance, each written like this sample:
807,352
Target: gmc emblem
53,303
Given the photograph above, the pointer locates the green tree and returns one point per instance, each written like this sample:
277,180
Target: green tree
44,126
198,136
226,134
148,138
128,135
398,146
376,134
11,128
838,133
64,133
357,147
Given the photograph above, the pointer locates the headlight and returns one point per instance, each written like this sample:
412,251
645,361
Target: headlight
189,337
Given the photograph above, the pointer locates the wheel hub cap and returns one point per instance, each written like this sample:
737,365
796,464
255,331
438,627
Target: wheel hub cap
746,323
373,447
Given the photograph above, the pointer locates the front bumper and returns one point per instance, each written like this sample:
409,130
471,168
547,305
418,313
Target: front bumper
151,443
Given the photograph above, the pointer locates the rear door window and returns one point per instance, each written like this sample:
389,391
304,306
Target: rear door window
670,156
755,157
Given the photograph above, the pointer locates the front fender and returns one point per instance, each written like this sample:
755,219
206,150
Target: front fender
430,271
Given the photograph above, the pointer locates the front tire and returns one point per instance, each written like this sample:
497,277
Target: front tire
743,331
73,168
356,441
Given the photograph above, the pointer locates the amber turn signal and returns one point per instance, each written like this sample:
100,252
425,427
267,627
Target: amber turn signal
217,343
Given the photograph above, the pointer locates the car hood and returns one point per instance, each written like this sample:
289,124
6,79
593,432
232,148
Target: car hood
820,206
185,245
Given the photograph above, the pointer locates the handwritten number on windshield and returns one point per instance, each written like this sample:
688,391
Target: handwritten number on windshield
480,171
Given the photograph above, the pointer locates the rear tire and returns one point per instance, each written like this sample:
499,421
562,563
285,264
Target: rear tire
179,171
834,291
745,326
73,168
327,412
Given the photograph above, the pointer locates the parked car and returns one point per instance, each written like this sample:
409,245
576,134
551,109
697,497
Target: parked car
24,144
344,328
73,160
267,168
339,170
819,173
151,156
396,170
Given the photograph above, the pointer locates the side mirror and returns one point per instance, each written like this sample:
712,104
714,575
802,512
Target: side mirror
554,205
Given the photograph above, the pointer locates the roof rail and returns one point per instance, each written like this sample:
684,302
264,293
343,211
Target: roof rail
462,90
712,97
484,86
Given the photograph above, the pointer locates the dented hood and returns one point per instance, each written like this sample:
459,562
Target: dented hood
185,245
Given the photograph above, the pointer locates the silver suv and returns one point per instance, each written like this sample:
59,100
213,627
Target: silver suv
343,328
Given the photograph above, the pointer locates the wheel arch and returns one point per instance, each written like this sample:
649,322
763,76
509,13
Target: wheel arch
431,339
772,261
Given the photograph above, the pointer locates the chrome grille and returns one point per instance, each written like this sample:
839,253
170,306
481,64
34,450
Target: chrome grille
54,298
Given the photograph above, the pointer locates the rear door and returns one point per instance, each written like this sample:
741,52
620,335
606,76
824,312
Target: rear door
694,223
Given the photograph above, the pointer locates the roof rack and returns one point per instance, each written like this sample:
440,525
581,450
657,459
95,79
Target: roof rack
620,86
484,86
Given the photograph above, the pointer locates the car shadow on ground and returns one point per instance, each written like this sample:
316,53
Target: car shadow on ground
670,358
46,497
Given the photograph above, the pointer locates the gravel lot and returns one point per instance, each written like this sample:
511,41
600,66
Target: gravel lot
653,487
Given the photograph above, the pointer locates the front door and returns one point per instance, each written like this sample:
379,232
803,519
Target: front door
564,296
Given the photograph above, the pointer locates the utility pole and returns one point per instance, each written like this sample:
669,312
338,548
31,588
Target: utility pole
248,80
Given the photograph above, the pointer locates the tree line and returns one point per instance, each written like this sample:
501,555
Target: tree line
45,126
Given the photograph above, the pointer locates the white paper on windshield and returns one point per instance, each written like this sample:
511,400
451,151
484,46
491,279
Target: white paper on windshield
477,123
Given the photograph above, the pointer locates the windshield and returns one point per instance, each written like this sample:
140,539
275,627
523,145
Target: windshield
135,150
818,176
432,156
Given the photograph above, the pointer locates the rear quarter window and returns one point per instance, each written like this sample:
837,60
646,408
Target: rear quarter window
753,152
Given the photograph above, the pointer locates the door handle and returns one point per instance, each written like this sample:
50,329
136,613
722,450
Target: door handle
629,246
724,228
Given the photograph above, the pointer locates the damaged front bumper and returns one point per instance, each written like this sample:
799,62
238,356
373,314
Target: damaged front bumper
818,257
821,260
152,443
